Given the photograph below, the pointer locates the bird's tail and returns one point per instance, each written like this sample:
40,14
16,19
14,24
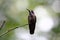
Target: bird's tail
31,28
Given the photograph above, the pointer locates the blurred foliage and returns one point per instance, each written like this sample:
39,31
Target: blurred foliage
22,16
56,30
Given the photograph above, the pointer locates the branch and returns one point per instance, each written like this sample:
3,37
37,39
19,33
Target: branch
2,25
11,30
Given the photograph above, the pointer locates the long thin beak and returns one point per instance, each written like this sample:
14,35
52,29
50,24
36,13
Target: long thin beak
28,10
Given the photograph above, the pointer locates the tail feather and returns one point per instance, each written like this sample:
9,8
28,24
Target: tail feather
32,28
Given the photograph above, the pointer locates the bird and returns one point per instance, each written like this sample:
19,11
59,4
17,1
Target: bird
31,21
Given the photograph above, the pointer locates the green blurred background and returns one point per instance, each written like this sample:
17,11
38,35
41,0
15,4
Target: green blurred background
18,16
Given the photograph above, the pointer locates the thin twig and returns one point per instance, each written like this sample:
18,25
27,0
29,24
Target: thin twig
2,25
11,30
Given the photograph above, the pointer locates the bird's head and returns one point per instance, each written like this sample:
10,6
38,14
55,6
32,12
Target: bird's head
31,12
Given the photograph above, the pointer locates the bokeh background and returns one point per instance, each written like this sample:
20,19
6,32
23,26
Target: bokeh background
15,14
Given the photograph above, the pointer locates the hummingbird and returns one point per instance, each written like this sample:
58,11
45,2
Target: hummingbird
31,21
